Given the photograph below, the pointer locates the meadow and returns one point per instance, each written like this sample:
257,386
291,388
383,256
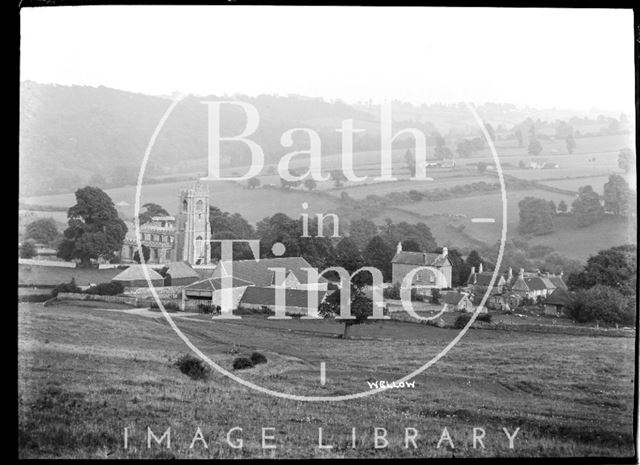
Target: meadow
85,374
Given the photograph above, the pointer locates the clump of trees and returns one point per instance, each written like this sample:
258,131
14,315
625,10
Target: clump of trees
587,208
536,216
42,230
95,230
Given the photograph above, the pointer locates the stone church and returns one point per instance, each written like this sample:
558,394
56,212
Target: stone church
185,237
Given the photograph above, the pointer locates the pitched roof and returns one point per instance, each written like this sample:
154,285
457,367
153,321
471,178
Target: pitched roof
214,284
181,270
267,296
558,282
484,279
453,298
559,297
420,258
135,272
258,272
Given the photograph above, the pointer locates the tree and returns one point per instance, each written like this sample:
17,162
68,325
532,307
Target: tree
602,304
482,166
310,184
459,269
42,230
535,147
146,253
435,296
410,160
587,207
473,260
338,177
411,246
362,231
464,148
285,184
379,254
253,183
95,230
626,159
519,137
617,195
553,208
361,307
151,210
615,267
571,143
536,216
348,256
562,207
27,249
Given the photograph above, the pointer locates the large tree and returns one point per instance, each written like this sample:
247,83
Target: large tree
95,230
459,269
587,208
360,305
536,216
626,159
362,231
348,256
378,253
602,304
615,267
535,147
151,210
43,230
618,197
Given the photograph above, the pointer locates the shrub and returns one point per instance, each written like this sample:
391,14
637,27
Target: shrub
462,321
193,367
602,304
485,317
241,363
112,288
65,287
168,306
392,292
207,309
258,358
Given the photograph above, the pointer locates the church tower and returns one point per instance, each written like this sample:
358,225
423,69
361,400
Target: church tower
193,232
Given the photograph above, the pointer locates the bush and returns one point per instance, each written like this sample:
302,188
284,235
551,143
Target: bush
392,292
65,287
168,306
462,321
193,367
484,317
602,304
208,309
112,288
257,358
241,363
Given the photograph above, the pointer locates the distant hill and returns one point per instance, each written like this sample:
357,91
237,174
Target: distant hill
71,136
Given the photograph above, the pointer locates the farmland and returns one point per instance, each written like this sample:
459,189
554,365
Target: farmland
594,159
85,374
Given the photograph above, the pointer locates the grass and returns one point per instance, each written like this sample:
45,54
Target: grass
86,375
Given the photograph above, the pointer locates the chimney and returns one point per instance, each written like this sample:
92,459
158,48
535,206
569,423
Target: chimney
480,268
473,270
561,273
445,251
510,274
399,247
521,274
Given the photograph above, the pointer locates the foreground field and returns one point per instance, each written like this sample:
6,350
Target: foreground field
85,374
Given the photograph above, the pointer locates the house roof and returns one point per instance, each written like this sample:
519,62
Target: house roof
258,272
420,258
484,279
135,272
267,296
453,298
532,283
214,284
181,270
559,297
558,282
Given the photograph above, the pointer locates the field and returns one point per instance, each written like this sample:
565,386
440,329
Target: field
85,374
594,159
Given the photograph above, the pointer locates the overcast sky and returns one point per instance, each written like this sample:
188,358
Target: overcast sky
560,58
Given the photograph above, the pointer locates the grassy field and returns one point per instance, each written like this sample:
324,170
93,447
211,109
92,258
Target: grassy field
85,374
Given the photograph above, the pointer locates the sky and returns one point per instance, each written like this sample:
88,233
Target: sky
544,58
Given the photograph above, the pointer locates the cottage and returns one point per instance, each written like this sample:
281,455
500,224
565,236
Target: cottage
558,302
532,285
457,301
424,280
478,282
296,300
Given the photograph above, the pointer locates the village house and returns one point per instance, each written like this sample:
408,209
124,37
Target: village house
457,301
532,285
558,302
479,281
424,280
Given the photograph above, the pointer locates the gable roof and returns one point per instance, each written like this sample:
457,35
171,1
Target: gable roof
559,297
484,279
558,282
214,284
135,272
453,298
181,270
421,259
267,296
258,272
